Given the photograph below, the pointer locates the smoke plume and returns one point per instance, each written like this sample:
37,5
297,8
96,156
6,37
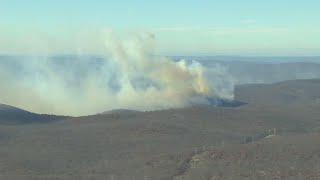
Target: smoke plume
127,76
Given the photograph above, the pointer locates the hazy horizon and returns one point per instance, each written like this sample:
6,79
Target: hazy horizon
204,28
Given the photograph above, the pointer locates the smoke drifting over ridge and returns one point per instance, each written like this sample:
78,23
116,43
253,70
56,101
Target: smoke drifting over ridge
128,76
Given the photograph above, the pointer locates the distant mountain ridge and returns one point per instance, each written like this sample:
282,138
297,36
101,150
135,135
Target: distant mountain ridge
286,93
13,115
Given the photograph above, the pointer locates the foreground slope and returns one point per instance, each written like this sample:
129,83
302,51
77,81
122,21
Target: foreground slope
280,157
187,143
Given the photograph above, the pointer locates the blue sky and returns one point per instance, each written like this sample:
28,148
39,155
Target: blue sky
246,27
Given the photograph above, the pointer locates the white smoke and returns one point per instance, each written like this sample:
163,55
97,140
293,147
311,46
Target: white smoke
127,77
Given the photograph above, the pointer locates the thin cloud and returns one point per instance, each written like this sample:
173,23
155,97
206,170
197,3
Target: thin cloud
177,29
248,21
224,30
249,30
